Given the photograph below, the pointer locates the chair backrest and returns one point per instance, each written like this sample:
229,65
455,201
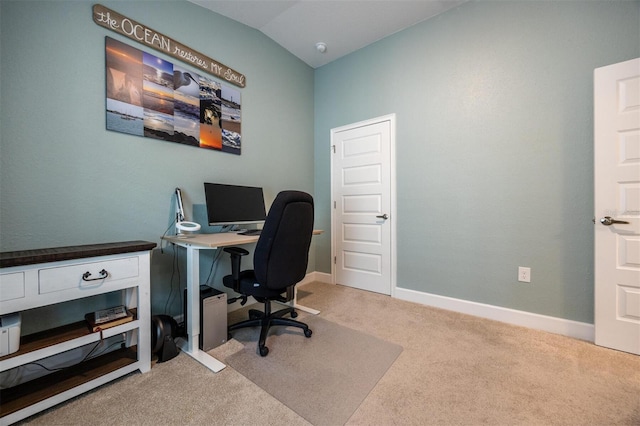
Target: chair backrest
282,252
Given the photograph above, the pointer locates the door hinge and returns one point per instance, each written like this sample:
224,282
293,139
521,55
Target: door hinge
333,147
335,259
334,204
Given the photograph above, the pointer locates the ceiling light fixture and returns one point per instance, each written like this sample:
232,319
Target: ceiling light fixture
321,47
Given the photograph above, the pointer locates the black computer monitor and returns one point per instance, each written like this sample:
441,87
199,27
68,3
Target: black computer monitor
234,204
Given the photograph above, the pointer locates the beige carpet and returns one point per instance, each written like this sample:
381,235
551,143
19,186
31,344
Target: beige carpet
454,370
323,378
178,392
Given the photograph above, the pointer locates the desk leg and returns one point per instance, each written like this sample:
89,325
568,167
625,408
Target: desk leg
193,293
293,303
190,346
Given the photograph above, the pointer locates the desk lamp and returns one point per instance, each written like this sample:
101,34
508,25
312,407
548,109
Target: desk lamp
181,224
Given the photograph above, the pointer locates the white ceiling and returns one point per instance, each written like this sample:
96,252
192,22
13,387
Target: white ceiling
344,25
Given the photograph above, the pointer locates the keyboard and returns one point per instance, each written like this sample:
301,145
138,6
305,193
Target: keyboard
251,232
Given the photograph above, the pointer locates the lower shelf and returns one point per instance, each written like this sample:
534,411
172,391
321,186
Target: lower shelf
29,393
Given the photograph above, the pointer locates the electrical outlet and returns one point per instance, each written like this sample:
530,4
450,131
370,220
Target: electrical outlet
524,274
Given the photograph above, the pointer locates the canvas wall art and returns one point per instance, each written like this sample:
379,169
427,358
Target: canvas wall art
151,97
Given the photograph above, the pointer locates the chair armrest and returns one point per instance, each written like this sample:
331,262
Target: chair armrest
236,257
236,250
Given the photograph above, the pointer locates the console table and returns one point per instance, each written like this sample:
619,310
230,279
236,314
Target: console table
35,278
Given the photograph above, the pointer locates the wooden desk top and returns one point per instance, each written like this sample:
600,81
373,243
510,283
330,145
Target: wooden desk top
220,239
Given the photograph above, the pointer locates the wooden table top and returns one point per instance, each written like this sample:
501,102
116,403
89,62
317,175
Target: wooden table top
55,254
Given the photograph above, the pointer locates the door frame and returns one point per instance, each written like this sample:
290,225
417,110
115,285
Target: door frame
391,118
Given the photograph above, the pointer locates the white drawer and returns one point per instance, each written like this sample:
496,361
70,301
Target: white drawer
11,286
75,276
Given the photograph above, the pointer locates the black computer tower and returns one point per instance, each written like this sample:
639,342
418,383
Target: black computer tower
213,317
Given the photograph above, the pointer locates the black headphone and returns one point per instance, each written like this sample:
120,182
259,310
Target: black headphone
163,330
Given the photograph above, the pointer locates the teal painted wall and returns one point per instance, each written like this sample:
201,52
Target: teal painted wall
65,180
494,104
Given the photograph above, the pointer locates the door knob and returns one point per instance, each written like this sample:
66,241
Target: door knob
383,216
608,220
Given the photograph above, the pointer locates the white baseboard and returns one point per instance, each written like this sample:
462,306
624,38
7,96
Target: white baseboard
322,277
565,327
575,329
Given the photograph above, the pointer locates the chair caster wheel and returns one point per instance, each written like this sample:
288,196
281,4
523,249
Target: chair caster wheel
263,350
294,314
307,332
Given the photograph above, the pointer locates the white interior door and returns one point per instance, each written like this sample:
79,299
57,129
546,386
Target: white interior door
363,206
617,206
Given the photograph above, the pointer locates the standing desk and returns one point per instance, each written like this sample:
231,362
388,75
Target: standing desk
194,243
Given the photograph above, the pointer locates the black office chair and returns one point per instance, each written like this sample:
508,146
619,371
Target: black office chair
279,262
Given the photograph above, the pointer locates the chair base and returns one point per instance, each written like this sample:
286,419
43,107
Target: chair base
266,319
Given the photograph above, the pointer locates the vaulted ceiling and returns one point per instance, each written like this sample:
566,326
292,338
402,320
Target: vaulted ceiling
344,26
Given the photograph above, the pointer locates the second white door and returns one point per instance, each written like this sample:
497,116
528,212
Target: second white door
362,220
617,206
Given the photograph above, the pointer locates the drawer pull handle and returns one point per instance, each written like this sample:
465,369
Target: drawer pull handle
103,274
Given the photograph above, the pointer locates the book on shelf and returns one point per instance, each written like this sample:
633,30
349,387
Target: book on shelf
110,314
111,320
